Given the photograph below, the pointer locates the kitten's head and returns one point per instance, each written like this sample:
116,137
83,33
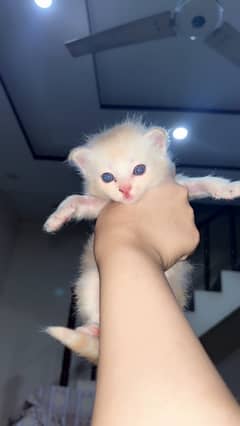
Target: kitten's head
123,162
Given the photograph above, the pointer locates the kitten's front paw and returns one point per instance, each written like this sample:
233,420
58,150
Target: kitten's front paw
57,219
228,191
64,213
235,187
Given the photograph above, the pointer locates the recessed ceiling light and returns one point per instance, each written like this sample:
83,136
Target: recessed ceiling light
44,3
180,133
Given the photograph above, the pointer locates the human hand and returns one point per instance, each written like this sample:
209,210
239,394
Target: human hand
161,223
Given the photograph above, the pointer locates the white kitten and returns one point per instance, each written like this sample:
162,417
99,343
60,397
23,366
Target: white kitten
121,164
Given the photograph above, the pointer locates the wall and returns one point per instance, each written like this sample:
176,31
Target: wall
8,230
219,241
36,294
230,371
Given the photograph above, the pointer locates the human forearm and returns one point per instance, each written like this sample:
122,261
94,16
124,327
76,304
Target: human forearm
152,369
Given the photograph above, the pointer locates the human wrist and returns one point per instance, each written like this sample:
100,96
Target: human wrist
109,242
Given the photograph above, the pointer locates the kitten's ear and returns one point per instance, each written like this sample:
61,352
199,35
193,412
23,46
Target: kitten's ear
79,157
159,137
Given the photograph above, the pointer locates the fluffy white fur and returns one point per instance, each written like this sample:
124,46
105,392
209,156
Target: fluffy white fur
118,150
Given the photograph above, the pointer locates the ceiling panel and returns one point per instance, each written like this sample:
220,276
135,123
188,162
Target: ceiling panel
105,14
174,73
54,95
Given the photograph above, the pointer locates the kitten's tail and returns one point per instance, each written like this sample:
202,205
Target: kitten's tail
83,344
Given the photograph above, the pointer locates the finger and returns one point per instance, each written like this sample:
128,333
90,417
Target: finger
183,191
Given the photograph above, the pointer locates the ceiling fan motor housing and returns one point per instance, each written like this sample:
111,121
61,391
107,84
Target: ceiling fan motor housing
198,18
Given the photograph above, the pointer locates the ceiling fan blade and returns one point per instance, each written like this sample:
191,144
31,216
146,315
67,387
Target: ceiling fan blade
139,31
226,41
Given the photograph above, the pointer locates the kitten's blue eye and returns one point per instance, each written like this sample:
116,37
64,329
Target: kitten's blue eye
139,170
107,177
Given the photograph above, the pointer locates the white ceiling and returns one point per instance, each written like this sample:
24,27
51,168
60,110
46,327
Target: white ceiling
50,100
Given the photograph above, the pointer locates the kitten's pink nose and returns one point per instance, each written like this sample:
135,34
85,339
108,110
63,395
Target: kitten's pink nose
125,189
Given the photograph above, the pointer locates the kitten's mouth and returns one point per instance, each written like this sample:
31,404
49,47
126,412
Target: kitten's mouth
128,197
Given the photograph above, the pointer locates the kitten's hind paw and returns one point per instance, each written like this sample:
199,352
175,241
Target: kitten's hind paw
80,340
91,329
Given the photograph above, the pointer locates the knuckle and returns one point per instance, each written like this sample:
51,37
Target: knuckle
192,214
196,237
183,191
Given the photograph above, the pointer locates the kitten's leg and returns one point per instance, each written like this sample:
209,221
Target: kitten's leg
80,340
84,340
86,288
209,186
74,207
